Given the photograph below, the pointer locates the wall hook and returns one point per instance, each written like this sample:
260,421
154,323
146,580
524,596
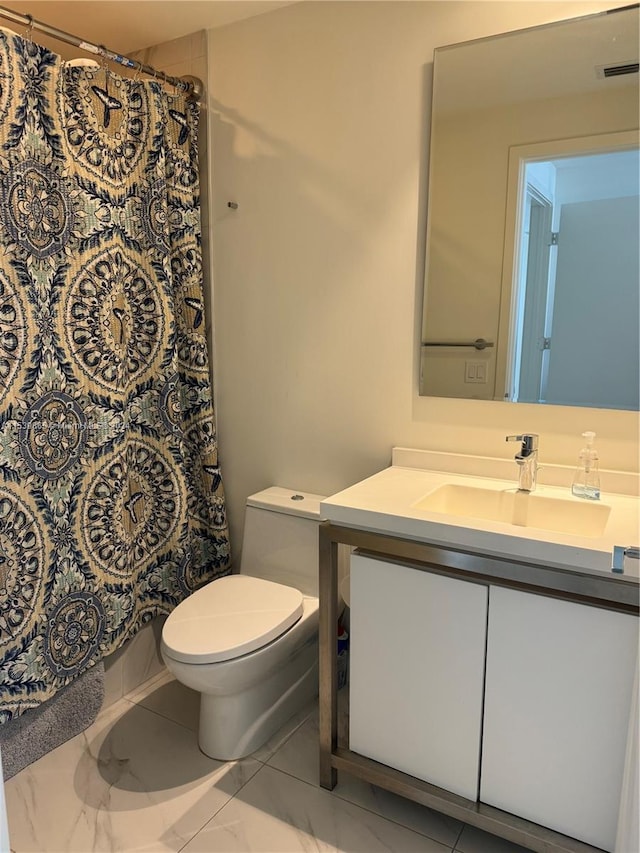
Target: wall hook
233,205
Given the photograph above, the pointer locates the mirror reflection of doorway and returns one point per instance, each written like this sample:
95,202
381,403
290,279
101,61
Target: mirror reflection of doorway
577,284
534,280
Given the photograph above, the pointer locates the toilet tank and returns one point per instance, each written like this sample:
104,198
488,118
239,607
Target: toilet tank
280,540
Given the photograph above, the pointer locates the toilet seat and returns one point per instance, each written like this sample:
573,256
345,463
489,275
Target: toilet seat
230,617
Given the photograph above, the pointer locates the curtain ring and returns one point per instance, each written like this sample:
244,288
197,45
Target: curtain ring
103,63
172,98
163,91
29,31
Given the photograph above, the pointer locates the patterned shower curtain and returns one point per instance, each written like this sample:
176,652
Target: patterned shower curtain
111,501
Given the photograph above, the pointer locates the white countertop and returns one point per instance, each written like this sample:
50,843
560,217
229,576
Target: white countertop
385,503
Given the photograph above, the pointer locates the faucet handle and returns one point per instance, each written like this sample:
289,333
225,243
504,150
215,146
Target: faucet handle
529,443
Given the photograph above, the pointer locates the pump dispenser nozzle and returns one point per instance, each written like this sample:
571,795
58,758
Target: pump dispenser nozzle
586,482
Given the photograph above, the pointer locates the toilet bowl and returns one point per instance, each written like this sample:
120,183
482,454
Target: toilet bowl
248,642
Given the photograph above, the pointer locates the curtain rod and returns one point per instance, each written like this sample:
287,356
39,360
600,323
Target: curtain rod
191,86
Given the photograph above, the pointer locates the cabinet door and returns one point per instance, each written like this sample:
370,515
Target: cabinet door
417,672
557,702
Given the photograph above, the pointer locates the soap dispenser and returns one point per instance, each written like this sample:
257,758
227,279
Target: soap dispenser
586,482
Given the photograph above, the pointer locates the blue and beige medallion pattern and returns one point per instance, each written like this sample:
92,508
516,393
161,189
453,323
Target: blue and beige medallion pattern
111,501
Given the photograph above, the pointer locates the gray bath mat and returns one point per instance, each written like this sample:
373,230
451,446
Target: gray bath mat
36,732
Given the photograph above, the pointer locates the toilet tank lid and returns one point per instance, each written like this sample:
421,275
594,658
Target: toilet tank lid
279,499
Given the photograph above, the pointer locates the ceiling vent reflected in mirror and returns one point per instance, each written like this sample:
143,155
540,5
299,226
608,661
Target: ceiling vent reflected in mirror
617,70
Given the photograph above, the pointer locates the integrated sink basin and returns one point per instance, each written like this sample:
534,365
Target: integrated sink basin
523,509
472,504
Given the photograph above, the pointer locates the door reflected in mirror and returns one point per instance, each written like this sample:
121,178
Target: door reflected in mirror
533,234
577,267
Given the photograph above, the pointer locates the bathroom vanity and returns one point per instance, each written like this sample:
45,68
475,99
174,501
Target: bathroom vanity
493,650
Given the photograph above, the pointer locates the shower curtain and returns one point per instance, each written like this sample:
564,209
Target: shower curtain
111,501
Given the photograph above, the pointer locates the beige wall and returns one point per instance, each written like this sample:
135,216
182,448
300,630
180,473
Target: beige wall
320,122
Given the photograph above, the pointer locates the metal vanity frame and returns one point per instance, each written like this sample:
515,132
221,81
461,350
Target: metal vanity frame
611,592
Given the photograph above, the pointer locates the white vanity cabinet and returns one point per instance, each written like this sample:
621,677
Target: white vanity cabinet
495,691
558,695
417,672
492,657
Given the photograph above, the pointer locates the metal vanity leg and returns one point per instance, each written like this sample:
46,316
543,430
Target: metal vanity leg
328,701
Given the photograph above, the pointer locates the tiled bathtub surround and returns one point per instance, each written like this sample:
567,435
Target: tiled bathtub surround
134,663
136,781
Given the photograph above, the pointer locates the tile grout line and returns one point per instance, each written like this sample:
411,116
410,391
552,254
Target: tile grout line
365,809
164,676
225,804
458,838
162,716
262,764
252,756
266,763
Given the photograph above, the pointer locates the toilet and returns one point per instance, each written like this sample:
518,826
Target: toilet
248,642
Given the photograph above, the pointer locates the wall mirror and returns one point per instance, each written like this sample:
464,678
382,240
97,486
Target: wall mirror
532,268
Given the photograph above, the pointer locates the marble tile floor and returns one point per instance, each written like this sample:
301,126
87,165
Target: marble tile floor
136,781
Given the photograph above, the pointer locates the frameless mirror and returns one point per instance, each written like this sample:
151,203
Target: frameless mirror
532,272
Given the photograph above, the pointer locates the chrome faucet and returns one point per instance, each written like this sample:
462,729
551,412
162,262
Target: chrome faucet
527,460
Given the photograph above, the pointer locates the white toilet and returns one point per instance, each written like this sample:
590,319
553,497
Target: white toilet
248,642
